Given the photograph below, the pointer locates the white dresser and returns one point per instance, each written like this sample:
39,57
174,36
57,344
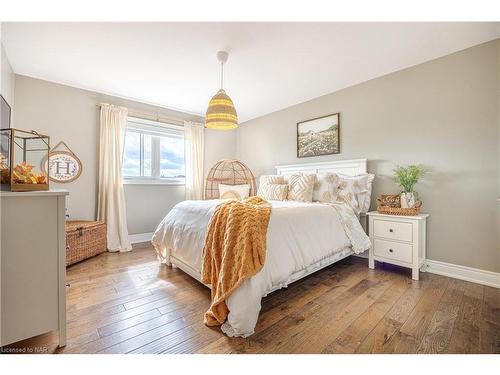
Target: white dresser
398,240
32,264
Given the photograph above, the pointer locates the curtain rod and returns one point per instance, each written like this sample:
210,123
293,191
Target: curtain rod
152,116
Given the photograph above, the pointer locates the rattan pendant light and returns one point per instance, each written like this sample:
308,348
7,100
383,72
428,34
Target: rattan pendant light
221,114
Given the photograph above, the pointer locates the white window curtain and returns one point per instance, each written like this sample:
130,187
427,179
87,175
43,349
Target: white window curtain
111,197
193,150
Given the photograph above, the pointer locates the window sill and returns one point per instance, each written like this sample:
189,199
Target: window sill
151,182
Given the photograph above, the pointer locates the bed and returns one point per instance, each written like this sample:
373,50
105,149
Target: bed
301,239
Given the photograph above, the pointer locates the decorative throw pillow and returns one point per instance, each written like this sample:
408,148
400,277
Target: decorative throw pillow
266,180
326,187
356,191
300,187
234,191
274,192
272,179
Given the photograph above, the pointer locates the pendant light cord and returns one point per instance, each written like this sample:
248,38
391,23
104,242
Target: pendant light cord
222,76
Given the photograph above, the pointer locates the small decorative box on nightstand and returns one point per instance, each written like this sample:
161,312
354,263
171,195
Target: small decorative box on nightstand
398,240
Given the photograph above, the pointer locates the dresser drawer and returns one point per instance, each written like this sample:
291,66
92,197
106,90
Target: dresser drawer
393,250
392,230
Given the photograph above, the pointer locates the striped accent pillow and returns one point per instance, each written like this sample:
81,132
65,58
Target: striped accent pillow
274,192
300,187
269,179
272,179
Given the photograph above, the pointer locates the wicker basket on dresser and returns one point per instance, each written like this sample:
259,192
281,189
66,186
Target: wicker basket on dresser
84,239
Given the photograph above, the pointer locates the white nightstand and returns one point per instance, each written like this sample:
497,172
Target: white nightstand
398,240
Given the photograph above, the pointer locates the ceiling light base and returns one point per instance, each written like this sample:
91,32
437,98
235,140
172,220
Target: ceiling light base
222,56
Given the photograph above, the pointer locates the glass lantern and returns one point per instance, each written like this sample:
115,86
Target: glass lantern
21,156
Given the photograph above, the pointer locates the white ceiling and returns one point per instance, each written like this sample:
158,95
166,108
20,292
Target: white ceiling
271,65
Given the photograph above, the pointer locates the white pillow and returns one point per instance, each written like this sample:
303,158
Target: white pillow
234,191
326,187
300,187
356,191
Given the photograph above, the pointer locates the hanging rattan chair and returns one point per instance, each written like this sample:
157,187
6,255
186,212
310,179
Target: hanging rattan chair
229,172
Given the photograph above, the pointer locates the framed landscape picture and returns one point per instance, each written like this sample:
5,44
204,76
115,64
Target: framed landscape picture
319,136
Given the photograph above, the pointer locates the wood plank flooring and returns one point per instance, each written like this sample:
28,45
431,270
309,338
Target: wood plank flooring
128,303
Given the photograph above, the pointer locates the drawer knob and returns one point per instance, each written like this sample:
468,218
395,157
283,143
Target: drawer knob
391,251
391,230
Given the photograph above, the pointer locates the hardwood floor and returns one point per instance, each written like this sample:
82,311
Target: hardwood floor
128,303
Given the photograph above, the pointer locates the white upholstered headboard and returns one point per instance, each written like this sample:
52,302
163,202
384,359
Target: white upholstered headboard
351,167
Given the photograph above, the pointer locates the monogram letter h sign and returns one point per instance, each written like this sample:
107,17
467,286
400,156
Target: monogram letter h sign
62,166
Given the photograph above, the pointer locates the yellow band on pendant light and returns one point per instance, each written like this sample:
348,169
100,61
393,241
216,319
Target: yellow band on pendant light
221,113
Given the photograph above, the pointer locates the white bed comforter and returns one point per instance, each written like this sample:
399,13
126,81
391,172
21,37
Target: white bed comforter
301,237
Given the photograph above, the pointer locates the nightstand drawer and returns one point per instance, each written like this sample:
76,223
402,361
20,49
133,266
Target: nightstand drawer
392,230
393,250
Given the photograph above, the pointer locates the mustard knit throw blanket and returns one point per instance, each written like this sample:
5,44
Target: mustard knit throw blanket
235,250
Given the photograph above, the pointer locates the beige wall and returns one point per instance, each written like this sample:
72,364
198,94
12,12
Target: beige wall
7,81
70,114
498,198
442,114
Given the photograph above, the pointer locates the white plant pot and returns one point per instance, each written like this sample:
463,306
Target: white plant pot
408,200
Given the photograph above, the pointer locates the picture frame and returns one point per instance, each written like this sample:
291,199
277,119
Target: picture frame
319,136
5,113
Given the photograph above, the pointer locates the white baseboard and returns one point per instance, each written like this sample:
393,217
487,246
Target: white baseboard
456,271
140,237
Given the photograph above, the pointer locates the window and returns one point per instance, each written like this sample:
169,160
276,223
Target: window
153,152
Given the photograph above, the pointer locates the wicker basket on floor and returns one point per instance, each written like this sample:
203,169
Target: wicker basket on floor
84,239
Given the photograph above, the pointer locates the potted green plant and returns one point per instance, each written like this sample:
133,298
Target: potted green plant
407,177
